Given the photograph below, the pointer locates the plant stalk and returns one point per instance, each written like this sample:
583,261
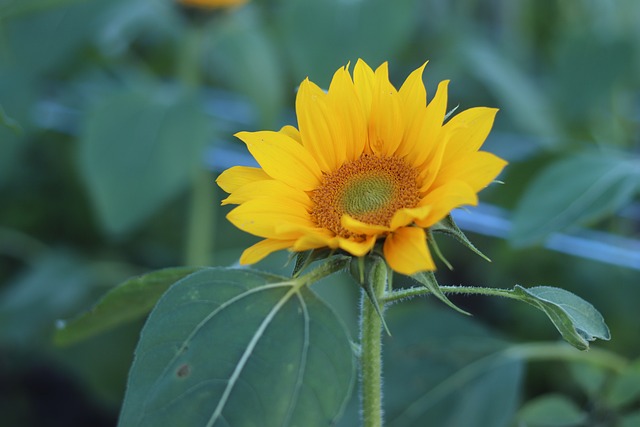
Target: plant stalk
371,349
202,209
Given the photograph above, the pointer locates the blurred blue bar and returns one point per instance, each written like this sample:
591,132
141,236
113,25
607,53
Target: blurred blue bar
485,219
609,248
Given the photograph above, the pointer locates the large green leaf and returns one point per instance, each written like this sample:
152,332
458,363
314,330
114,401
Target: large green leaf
128,301
446,370
231,347
139,149
577,320
574,190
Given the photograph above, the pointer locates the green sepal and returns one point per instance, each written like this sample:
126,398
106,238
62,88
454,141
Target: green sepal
449,227
304,259
368,271
577,320
429,281
436,249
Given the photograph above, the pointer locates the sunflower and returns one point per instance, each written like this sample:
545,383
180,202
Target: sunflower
368,163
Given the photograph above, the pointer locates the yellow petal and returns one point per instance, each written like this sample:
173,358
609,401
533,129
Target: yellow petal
406,216
267,188
406,251
257,252
359,227
477,169
413,100
444,199
363,78
413,92
431,167
386,122
291,132
468,130
262,217
430,124
357,248
314,240
349,113
319,127
283,158
237,176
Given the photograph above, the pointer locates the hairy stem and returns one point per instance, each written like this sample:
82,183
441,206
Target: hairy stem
371,351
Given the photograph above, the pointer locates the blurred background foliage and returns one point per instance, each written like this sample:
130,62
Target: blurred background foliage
116,116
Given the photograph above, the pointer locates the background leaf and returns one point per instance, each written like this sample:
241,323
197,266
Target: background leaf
138,150
576,319
626,387
442,366
574,190
8,122
551,410
129,301
238,347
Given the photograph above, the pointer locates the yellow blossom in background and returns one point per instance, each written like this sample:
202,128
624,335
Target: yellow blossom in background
367,163
213,4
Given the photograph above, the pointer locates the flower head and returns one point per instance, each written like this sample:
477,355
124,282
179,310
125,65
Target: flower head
368,163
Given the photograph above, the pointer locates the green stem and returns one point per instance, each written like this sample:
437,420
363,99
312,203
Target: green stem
326,268
401,294
371,351
202,216
542,351
202,209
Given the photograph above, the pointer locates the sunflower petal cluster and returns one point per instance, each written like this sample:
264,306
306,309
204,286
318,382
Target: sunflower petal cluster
368,164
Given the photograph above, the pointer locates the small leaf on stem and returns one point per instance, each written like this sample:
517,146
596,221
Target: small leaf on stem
449,227
577,320
429,281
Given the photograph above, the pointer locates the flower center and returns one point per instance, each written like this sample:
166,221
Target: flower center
370,189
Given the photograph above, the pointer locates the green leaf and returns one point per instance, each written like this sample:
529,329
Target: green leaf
575,190
591,378
551,410
577,320
446,370
10,123
245,56
129,301
429,281
317,53
516,91
139,149
626,387
449,227
631,420
57,284
232,347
